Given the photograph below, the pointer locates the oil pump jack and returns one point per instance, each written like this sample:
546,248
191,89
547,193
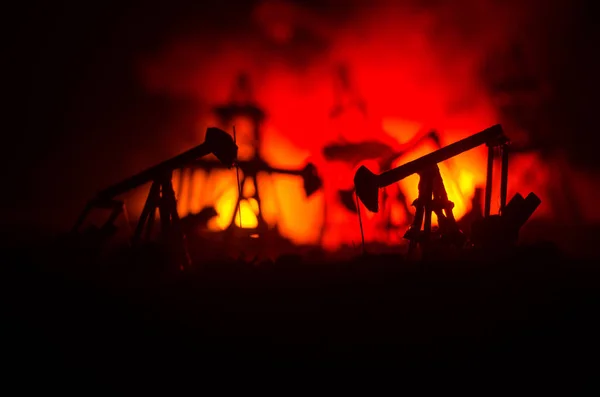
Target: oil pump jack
347,96
161,194
494,231
243,105
355,153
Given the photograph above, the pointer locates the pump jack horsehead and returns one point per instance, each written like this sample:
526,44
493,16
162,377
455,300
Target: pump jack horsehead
161,194
434,199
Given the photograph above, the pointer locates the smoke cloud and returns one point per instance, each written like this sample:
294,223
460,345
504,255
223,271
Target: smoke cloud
135,87
425,62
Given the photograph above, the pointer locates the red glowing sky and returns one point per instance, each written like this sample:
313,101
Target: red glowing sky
90,124
423,65
415,67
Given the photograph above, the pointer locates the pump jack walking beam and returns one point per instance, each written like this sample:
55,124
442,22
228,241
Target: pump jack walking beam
367,183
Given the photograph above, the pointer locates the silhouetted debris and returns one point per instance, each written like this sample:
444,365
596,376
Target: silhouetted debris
476,212
496,232
200,219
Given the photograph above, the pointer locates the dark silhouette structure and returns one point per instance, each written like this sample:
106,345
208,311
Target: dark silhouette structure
347,96
385,156
242,104
161,195
433,198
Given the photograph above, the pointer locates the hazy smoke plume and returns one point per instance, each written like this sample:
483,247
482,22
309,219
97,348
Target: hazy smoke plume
414,63
425,62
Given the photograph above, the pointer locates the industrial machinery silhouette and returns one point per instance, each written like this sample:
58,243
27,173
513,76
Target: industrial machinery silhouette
242,105
385,156
433,198
353,153
161,195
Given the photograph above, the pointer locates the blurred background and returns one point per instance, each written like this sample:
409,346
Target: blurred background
104,90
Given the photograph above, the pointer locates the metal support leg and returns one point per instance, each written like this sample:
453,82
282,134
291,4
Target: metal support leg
176,237
88,208
116,211
428,212
504,177
237,212
164,212
150,223
414,232
151,203
488,182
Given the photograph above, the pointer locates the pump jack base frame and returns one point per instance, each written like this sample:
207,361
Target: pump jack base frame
431,189
433,198
162,197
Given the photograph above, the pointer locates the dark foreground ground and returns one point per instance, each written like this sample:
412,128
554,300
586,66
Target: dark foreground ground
529,312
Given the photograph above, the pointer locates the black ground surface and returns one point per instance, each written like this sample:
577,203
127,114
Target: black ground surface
528,311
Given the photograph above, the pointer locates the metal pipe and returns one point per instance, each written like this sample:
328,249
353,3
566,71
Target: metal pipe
504,178
217,141
488,181
153,172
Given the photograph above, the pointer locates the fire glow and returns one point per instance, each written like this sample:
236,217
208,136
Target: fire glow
397,69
